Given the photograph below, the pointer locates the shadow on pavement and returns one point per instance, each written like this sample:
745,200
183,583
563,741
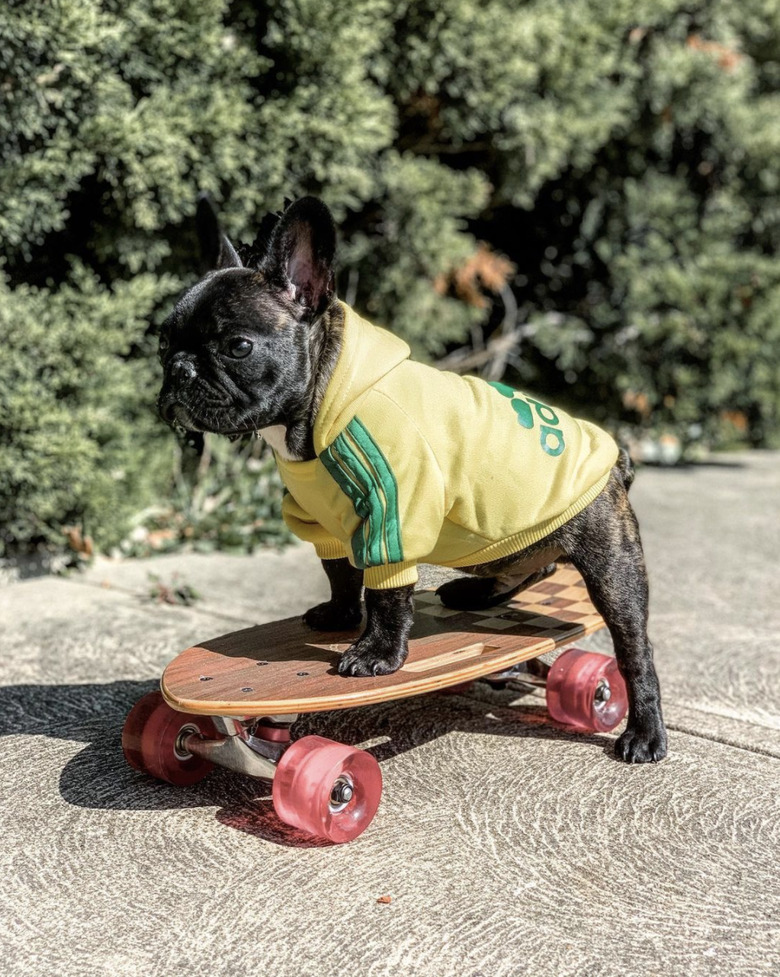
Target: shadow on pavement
99,778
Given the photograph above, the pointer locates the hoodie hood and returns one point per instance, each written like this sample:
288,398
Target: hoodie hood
368,353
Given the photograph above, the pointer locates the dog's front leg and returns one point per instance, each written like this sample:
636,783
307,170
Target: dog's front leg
383,646
343,611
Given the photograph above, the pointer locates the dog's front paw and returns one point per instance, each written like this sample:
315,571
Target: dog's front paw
334,616
372,656
641,746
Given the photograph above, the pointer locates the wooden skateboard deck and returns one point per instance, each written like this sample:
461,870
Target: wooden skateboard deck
284,667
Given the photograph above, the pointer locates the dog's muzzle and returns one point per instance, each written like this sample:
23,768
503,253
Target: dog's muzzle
173,412
181,370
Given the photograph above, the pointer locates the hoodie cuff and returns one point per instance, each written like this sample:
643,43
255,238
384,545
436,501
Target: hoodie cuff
330,549
392,575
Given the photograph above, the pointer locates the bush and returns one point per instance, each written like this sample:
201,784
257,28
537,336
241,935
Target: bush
226,499
79,440
592,184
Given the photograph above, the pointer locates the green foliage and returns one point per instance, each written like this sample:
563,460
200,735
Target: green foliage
421,237
622,154
632,150
74,404
226,498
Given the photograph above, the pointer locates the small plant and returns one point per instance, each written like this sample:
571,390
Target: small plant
176,592
228,497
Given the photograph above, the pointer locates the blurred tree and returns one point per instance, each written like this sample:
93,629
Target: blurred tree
113,113
631,149
622,156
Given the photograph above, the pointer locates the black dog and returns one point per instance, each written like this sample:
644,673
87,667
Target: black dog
252,348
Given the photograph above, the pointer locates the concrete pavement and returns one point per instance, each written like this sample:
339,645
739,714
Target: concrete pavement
508,846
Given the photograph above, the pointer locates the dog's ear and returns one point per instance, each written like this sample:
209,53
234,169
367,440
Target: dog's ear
301,252
216,251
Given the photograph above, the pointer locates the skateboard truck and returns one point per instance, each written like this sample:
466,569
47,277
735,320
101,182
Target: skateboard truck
238,748
535,673
520,675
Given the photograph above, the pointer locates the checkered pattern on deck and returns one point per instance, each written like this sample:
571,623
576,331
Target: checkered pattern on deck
555,608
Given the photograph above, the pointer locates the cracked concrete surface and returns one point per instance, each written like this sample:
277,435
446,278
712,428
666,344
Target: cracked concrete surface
507,846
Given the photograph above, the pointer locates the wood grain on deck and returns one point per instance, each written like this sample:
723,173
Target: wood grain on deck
285,667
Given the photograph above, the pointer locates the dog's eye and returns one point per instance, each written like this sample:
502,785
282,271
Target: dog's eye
239,348
164,344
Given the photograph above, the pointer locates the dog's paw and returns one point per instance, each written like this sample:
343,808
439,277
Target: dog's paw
635,746
469,593
371,656
333,616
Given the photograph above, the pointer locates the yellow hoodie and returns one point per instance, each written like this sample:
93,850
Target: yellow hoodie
415,464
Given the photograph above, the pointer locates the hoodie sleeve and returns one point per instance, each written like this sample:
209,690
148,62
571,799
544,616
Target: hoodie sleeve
388,471
305,527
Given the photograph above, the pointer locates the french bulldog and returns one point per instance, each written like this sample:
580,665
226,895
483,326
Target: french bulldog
258,347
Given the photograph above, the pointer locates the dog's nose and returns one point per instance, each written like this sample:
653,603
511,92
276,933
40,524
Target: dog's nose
183,366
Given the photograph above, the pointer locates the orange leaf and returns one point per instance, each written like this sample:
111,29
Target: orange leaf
728,59
482,271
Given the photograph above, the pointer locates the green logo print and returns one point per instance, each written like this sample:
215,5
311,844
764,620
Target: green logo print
550,434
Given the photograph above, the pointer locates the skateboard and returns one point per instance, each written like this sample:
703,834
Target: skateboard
232,700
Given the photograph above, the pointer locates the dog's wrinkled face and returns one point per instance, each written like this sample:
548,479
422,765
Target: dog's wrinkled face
233,352
236,349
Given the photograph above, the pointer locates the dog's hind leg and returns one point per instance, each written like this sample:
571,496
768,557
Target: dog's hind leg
604,545
478,593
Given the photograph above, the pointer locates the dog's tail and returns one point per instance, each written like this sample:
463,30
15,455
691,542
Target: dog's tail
626,468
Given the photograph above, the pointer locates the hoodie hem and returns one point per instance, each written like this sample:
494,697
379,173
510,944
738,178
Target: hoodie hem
332,549
390,575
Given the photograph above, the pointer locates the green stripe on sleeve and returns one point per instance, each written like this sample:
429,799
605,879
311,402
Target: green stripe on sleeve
362,472
391,530
338,470
372,503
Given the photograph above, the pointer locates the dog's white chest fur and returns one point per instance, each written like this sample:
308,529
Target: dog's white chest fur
276,436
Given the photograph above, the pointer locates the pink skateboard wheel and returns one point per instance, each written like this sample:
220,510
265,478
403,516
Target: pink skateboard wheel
327,789
152,740
585,689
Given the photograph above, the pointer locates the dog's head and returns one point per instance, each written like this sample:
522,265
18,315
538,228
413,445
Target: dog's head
236,350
